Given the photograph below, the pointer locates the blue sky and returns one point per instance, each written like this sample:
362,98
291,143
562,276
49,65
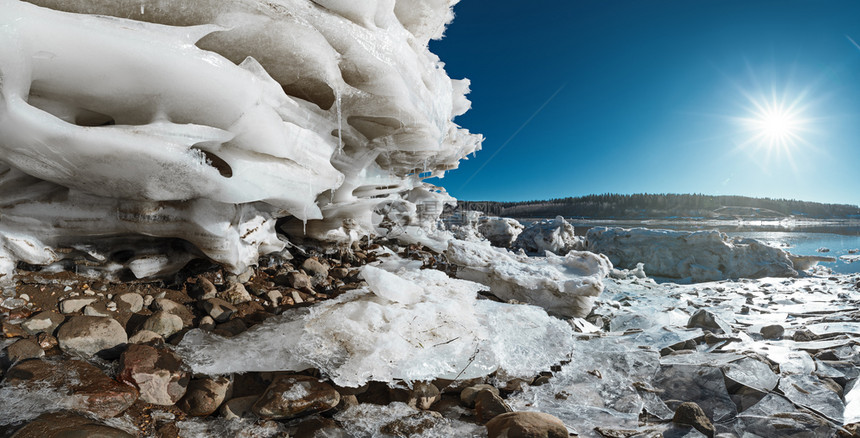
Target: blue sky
742,97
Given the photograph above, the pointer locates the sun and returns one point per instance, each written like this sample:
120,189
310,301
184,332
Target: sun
776,123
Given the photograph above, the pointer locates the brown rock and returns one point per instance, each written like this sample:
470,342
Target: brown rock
489,405
81,385
156,372
423,395
526,425
24,349
235,294
319,427
163,323
204,396
218,309
68,425
774,331
238,407
314,267
299,280
174,308
467,395
412,425
339,273
46,341
291,396
92,335
43,322
691,414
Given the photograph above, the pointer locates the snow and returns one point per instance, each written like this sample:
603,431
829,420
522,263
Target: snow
562,285
698,256
373,334
120,120
554,235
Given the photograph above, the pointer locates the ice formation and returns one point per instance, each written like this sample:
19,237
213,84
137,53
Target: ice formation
699,256
412,325
564,286
554,235
500,231
133,124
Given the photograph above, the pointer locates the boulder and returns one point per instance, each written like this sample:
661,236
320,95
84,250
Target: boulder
204,396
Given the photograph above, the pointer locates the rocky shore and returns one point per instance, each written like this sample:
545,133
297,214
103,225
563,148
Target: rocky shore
771,357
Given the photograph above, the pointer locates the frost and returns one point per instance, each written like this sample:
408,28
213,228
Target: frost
362,336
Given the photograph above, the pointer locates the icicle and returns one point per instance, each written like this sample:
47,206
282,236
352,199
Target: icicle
339,122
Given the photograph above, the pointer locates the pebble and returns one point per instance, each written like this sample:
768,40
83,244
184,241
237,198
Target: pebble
315,267
91,335
274,297
235,294
218,309
423,395
131,302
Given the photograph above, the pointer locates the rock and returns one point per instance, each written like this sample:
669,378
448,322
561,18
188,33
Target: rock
339,273
423,395
706,320
232,327
418,424
11,330
204,289
24,349
290,396
467,395
46,341
96,309
526,425
46,322
299,280
68,425
774,331
691,414
803,336
145,337
317,426
156,372
72,305
489,405
206,323
218,309
163,323
314,267
274,297
174,308
204,396
238,407
235,294
129,302
78,385
91,335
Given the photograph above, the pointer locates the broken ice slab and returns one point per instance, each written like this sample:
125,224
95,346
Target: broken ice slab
752,373
836,369
827,328
703,385
810,392
645,318
398,419
775,416
852,403
376,333
660,337
689,357
597,388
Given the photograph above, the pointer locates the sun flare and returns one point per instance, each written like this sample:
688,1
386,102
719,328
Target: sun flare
776,124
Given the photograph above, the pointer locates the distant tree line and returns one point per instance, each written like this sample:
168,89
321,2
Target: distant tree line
653,206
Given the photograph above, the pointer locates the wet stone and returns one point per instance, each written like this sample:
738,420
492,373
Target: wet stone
690,413
290,396
489,405
526,425
68,425
156,372
204,396
467,395
79,385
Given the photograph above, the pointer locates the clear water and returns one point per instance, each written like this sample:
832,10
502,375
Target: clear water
803,243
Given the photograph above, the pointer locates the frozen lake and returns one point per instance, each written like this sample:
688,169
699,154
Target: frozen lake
841,238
